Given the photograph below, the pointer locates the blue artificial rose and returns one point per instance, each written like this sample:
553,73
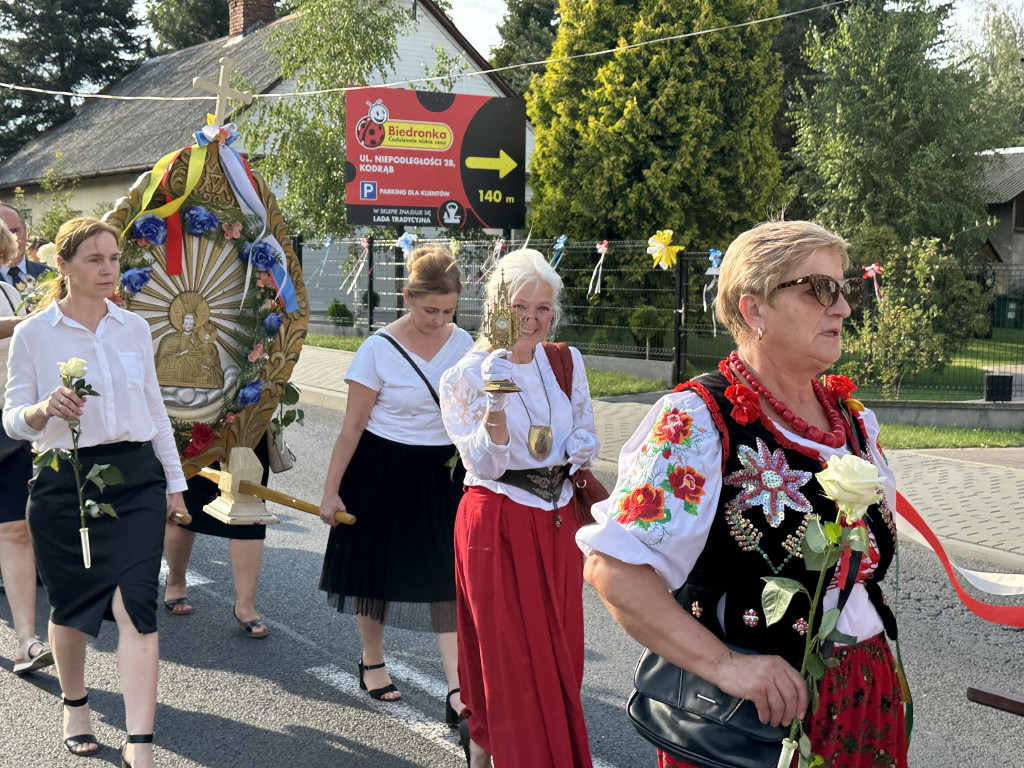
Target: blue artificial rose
151,228
133,280
272,323
199,221
250,393
261,255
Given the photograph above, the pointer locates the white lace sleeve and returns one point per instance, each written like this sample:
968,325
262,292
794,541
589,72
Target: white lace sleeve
462,408
666,493
582,405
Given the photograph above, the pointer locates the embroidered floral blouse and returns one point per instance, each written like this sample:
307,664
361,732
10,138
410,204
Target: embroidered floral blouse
667,492
463,404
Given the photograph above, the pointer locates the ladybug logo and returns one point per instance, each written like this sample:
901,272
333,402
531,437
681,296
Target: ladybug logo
370,129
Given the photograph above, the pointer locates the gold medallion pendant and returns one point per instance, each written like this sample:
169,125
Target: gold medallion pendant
538,441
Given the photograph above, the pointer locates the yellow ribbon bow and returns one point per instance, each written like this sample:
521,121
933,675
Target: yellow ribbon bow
660,248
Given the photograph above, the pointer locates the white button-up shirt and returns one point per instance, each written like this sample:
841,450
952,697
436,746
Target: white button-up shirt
120,366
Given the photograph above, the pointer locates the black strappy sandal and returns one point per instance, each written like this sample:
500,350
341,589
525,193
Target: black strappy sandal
145,738
376,693
86,738
451,717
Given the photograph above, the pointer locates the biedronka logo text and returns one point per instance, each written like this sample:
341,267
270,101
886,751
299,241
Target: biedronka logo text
376,129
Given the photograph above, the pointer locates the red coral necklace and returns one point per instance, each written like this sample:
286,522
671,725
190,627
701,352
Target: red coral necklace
834,439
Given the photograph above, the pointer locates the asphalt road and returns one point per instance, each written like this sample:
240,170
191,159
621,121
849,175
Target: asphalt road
292,699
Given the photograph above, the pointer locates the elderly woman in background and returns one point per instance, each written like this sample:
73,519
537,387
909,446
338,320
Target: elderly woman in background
716,488
125,426
17,561
519,573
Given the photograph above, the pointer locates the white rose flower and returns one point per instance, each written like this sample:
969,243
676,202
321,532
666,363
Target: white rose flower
852,483
73,368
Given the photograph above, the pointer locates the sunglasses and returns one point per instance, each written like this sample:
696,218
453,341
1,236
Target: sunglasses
826,289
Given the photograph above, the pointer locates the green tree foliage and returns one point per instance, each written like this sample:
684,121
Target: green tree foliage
527,34
181,23
997,54
891,133
330,44
928,310
59,46
59,187
674,134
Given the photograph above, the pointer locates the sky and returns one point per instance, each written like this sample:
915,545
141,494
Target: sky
478,19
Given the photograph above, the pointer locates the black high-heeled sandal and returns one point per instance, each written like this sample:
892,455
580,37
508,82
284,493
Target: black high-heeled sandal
451,717
86,738
376,693
145,738
464,738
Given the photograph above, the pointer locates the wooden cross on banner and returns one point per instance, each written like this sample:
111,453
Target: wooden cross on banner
222,90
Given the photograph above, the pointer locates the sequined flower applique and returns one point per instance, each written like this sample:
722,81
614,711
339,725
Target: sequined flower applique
767,480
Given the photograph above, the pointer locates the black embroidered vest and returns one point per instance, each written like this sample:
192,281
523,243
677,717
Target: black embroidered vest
769,494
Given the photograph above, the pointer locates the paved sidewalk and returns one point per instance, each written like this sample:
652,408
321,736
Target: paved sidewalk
973,498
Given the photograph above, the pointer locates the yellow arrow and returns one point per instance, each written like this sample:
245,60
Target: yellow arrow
503,164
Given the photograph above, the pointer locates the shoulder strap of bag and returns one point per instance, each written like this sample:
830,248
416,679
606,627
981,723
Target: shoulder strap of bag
415,367
560,358
14,309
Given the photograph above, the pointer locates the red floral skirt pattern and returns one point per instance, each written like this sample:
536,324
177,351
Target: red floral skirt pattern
859,722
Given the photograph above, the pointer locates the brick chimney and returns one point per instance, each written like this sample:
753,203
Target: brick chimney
245,16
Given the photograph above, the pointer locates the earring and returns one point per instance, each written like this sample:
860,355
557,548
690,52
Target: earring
760,334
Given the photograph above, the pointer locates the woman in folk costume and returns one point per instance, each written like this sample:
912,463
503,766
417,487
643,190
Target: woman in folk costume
392,468
715,491
125,426
518,571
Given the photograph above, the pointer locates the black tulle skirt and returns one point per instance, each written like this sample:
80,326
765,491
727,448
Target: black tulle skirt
396,564
126,549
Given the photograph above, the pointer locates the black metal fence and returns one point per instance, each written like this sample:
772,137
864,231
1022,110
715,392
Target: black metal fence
627,309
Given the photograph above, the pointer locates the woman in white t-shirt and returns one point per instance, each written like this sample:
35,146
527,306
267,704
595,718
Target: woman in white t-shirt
392,467
17,561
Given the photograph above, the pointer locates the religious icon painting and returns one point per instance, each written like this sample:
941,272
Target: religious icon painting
207,261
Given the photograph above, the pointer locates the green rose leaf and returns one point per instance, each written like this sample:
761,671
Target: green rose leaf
828,623
831,662
815,561
834,532
841,637
777,595
690,507
290,394
815,668
805,746
856,538
815,537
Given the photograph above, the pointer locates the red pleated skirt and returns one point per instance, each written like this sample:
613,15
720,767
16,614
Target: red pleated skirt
859,722
519,587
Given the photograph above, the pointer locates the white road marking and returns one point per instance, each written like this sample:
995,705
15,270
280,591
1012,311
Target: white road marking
192,579
429,728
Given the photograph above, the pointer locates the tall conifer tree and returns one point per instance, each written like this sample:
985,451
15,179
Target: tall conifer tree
674,134
527,35
59,46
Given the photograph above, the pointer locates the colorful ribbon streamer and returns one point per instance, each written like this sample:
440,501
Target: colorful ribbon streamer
993,583
558,249
660,247
407,242
595,278
873,272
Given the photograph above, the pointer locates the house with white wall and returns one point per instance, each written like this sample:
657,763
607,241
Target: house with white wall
110,142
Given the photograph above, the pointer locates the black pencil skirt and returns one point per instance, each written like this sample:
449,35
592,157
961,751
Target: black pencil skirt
126,549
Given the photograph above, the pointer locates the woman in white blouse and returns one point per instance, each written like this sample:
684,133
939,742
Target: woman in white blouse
17,560
716,489
518,571
125,426
393,468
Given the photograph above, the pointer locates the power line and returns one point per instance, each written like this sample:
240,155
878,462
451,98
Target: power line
461,75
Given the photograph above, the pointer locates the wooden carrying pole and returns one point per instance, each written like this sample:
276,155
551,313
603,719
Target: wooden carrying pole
232,488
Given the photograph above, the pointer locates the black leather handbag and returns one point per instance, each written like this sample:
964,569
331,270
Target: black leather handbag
696,721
